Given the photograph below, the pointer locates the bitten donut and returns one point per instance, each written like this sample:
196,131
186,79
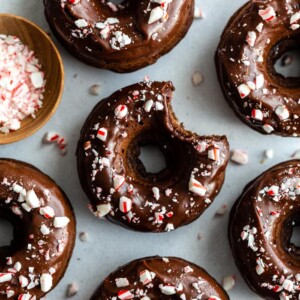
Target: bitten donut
116,181
44,232
256,36
260,228
120,37
160,278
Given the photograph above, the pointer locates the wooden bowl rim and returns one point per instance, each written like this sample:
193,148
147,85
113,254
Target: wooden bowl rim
16,138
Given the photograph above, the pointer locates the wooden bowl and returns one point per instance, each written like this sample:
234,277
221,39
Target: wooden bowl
38,41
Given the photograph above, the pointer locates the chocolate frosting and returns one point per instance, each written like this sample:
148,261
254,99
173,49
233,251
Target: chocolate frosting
139,43
256,36
160,278
260,228
110,169
34,250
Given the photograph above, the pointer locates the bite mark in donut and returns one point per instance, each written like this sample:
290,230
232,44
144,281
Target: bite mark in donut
44,232
260,228
255,37
160,278
116,181
123,37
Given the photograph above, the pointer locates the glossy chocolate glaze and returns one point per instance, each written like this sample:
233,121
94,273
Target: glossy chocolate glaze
186,153
187,278
30,248
239,63
148,41
260,228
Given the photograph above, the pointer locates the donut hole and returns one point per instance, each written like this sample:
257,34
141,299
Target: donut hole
288,65
284,63
6,239
295,236
157,158
6,232
152,158
13,235
290,233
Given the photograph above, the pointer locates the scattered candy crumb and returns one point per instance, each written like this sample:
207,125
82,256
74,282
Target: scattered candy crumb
53,137
296,155
269,153
222,210
72,289
240,157
198,13
83,236
197,79
95,90
228,282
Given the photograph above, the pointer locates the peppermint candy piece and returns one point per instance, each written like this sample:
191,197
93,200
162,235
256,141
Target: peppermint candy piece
102,134
103,210
61,222
196,187
125,204
121,111
46,282
155,15
267,14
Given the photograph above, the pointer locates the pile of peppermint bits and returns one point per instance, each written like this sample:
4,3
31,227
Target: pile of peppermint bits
22,83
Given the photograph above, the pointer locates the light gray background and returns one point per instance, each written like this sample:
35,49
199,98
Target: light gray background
202,109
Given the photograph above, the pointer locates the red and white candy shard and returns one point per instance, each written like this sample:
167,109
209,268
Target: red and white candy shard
118,181
121,111
244,90
4,277
145,277
267,14
22,83
257,114
47,212
124,295
125,204
53,137
228,282
273,190
196,187
102,134
214,153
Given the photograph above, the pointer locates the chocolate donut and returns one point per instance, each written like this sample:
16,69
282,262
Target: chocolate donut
260,228
256,36
160,278
44,232
121,38
116,181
